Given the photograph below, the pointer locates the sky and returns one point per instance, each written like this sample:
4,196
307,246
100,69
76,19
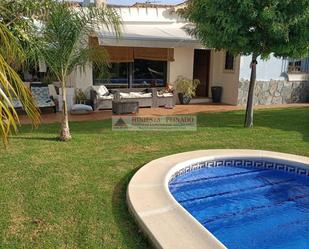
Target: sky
125,2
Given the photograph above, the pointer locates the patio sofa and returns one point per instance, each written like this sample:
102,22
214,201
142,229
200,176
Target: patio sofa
102,98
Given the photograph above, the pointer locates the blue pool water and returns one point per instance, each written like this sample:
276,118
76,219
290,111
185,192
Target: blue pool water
248,208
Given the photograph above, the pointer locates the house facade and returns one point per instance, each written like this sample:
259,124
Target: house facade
154,49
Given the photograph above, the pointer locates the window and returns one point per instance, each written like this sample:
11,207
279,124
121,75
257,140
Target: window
149,73
140,73
114,76
297,65
229,61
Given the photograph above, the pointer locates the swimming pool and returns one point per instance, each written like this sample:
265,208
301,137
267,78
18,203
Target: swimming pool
248,207
239,199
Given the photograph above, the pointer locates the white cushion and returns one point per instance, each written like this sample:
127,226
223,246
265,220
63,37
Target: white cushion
81,109
135,95
124,95
111,96
168,95
147,95
165,94
101,90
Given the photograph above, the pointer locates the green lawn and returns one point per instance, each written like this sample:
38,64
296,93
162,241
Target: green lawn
72,195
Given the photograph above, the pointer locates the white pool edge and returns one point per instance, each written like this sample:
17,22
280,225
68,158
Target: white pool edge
167,224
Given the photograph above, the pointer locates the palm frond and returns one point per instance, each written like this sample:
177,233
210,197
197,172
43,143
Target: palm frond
12,86
64,43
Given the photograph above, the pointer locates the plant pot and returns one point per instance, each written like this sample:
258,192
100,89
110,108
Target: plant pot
184,100
216,92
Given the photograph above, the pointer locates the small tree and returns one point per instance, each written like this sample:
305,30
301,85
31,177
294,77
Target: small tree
63,44
246,27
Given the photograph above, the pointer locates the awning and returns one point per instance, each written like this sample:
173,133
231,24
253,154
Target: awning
171,35
120,54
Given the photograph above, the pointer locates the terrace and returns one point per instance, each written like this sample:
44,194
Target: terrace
48,117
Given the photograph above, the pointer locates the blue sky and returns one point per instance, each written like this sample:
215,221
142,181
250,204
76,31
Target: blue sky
134,1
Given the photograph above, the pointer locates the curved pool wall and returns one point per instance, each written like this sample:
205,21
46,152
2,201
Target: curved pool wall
164,220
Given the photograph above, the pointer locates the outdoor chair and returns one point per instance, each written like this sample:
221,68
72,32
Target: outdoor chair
42,96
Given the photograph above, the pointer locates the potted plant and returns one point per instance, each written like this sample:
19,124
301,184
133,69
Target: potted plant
186,89
80,96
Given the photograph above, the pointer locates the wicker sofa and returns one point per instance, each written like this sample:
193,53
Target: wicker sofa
149,98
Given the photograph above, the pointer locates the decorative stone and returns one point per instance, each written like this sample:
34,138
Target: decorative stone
280,85
273,87
265,86
275,92
286,91
287,84
276,100
268,100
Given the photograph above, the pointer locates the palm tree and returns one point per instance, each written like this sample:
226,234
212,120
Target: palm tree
63,44
12,87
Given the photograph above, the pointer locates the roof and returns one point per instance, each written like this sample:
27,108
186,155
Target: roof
152,5
146,4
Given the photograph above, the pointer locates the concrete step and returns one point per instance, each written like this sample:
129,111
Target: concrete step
200,100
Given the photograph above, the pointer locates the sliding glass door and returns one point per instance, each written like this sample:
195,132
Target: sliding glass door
138,74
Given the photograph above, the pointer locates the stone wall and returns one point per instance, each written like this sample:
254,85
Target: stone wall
274,92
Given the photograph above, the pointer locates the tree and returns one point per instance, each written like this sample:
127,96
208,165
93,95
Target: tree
12,56
63,43
250,27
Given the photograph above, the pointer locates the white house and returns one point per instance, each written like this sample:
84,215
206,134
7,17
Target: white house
155,48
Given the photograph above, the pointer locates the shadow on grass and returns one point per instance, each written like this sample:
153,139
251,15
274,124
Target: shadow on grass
128,227
288,119
38,138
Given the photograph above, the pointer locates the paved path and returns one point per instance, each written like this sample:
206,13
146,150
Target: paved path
179,109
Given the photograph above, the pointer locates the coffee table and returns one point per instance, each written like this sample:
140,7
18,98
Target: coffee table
124,107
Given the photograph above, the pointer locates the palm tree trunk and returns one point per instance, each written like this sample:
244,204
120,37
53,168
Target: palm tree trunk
65,134
249,109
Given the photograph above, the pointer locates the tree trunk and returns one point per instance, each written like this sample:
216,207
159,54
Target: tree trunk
65,134
249,109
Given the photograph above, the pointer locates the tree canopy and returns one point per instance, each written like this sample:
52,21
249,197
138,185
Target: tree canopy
249,26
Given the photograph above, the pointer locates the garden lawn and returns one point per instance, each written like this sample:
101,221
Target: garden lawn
72,195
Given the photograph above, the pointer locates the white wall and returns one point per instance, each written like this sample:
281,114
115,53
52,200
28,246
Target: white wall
266,69
183,64
81,77
229,80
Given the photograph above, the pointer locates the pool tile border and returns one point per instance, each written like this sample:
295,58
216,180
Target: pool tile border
164,220
246,163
